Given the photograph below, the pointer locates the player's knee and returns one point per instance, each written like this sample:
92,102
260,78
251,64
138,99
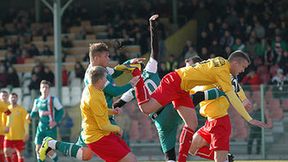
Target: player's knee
87,154
7,152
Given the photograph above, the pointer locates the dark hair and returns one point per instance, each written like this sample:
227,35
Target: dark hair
96,48
3,91
239,56
46,82
14,94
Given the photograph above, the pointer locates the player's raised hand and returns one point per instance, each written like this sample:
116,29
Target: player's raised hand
137,60
258,123
153,18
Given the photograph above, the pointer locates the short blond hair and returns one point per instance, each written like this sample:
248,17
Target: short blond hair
96,48
239,56
96,73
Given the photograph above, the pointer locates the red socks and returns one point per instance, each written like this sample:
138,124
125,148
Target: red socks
185,143
141,92
2,157
8,159
205,153
21,159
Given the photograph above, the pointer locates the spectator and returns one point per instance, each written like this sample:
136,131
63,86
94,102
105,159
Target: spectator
33,50
270,56
66,42
239,45
279,82
12,77
252,79
3,76
171,64
47,51
65,76
227,39
78,71
48,75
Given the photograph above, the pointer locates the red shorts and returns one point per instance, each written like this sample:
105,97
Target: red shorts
2,142
110,148
14,144
217,132
169,90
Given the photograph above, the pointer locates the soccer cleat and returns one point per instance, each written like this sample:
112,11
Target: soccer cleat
230,157
128,67
44,148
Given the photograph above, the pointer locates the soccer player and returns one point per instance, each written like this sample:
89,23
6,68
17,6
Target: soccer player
175,87
217,129
50,112
99,56
166,130
3,112
102,137
17,129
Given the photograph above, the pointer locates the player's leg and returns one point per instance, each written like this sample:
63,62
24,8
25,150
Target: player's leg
220,156
51,153
19,147
39,136
112,148
200,146
220,136
130,157
2,156
8,150
146,104
167,130
189,117
77,151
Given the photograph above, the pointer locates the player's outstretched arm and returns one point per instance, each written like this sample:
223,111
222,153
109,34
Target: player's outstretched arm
235,101
154,36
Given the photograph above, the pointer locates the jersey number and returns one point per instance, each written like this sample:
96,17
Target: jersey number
151,85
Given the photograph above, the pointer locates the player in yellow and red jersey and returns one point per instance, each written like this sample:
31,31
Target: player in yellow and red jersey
3,108
212,140
17,129
99,134
175,87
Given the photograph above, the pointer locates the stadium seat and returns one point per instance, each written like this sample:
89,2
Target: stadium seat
66,96
27,102
75,95
284,104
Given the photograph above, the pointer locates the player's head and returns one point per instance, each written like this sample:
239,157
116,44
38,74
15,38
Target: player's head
97,76
99,54
239,61
45,87
4,96
192,60
13,98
